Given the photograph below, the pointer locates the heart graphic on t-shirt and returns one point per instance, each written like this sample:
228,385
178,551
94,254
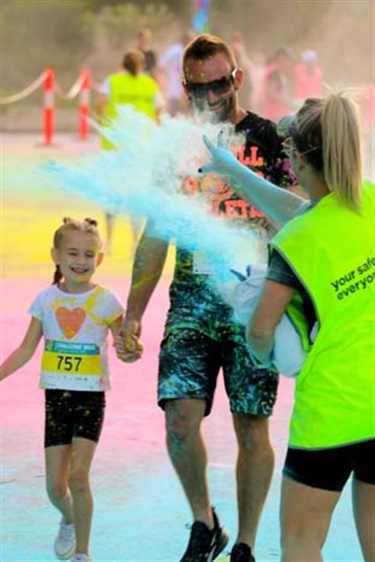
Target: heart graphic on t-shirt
70,321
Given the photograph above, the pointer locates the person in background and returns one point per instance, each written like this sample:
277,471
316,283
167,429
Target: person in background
238,45
144,44
200,335
332,428
170,74
74,316
308,77
278,88
132,87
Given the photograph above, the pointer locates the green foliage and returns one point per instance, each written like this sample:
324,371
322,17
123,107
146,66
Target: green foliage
121,21
266,25
179,8
37,34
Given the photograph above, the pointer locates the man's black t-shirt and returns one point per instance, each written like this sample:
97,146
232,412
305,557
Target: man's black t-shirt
261,150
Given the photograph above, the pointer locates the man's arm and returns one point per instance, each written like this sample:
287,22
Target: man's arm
148,266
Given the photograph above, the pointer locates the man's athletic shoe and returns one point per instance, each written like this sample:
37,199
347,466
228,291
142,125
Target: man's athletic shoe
81,558
65,542
205,544
241,552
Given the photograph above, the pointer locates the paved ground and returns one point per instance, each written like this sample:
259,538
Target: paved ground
140,510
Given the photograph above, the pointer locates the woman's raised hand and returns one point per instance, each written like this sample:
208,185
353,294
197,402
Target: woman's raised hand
223,161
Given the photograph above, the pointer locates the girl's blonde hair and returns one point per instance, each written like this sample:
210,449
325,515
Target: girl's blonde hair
86,225
327,132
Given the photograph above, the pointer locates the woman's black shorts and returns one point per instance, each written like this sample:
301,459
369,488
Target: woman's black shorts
330,469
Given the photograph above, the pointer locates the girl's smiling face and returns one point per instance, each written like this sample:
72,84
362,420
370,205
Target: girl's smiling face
78,256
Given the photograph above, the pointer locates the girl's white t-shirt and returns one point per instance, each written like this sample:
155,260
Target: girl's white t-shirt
75,329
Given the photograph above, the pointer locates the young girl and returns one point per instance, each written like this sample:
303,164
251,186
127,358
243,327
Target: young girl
74,316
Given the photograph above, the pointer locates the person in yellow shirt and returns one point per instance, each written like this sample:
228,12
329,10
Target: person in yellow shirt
131,86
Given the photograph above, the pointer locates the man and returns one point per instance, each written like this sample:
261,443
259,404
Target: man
200,335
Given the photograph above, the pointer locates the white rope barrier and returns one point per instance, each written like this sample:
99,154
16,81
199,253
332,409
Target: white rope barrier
24,93
74,90
81,88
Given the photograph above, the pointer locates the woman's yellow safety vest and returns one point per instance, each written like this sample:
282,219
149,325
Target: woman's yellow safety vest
332,251
125,89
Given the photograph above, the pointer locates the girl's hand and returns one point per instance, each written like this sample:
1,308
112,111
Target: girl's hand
126,342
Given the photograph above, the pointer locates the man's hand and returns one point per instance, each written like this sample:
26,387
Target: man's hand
127,344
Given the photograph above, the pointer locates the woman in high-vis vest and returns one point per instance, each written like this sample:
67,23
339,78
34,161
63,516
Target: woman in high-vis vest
321,272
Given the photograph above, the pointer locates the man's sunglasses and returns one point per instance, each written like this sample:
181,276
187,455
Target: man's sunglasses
221,86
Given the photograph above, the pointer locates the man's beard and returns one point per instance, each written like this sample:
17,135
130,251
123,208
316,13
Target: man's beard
225,113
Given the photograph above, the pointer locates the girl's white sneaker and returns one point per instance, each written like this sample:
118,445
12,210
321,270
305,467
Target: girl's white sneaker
65,541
